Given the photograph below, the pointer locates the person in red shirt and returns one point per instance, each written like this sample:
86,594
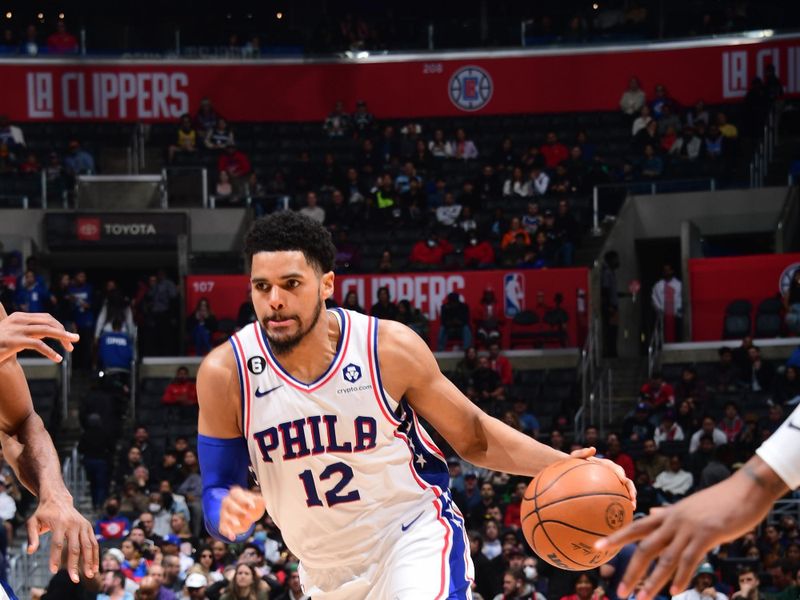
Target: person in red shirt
615,454
181,391
235,162
511,518
515,228
501,364
587,588
62,42
31,165
554,152
660,393
429,253
478,254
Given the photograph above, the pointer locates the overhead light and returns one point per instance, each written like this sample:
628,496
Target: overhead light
40,16
595,6
279,15
61,15
9,14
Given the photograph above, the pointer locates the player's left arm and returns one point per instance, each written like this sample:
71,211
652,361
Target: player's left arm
410,370
36,463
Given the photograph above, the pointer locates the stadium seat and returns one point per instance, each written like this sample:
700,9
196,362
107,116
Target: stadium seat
768,318
524,330
738,321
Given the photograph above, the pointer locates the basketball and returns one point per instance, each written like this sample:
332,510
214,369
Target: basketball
568,507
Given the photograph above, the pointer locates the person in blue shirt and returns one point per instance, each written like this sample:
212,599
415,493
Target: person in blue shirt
32,295
114,348
81,295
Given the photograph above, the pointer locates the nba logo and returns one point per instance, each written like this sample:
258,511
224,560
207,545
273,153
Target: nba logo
514,293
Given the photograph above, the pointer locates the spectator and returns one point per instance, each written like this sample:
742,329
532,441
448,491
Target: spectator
633,98
362,119
652,163
688,146
648,135
698,114
201,326
429,253
30,166
337,124
486,385
403,181
61,41
532,219
668,139
78,161
455,322
96,447
566,229
718,468
749,584
181,390
516,252
464,148
652,461
731,423
439,147
726,374
527,420
294,590
32,295
11,135
714,143
312,210
185,139
115,349
708,427
761,374
786,388
245,584
384,308
642,121
500,363
478,254
467,225
515,228
115,306
668,120
615,454
81,294
223,190
386,262
673,483
728,130
690,387
413,318
516,185
667,300
220,136
169,469
447,215
637,427
235,163
702,586
111,525
554,152
668,430
351,303
206,118
791,302
113,587
661,99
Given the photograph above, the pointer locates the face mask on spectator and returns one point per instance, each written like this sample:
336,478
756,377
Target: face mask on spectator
260,536
530,573
154,508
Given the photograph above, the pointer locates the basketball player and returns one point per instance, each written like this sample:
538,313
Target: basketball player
326,405
681,534
29,449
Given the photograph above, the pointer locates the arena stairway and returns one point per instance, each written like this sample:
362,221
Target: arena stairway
627,377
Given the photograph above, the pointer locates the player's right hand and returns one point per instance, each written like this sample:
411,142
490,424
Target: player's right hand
240,509
25,331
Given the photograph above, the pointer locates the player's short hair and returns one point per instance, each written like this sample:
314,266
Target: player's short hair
287,230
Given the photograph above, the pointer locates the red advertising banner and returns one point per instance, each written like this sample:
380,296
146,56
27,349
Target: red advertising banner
514,290
489,83
716,282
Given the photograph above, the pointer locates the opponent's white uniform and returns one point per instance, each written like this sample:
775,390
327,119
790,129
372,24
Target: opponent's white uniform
356,485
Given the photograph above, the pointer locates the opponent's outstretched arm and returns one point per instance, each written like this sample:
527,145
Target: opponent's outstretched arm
229,508
409,369
680,535
30,449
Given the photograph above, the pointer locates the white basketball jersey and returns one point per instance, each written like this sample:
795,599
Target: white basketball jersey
340,463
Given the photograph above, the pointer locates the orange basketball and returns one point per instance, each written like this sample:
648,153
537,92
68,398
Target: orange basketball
568,507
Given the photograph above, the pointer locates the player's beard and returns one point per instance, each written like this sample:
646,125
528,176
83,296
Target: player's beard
287,344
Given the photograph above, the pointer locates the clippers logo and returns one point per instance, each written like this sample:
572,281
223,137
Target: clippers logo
786,278
352,373
88,229
470,88
514,293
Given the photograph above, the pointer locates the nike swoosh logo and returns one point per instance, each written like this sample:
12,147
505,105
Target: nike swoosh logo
405,527
260,394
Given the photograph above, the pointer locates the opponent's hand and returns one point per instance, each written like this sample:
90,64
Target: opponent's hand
589,454
59,516
240,509
681,534
25,331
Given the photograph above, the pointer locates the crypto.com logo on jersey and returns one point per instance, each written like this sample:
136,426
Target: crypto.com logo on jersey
107,95
740,66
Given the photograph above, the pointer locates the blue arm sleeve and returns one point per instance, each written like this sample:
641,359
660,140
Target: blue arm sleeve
224,463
